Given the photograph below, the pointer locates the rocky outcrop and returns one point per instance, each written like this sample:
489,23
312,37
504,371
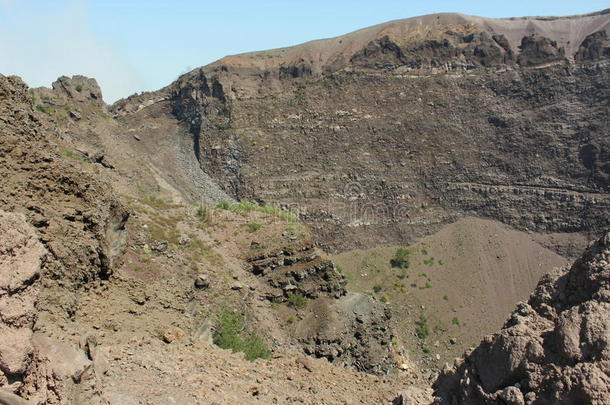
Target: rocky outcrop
553,349
71,93
345,328
595,47
360,337
79,88
78,219
538,50
298,269
21,260
64,230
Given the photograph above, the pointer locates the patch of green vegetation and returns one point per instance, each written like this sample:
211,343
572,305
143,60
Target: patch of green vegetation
247,206
254,226
440,263
422,330
291,319
401,258
426,286
455,321
383,299
157,203
339,268
223,205
69,153
198,251
135,267
202,211
44,109
164,228
297,300
377,288
79,87
424,252
429,261
445,298
426,350
230,335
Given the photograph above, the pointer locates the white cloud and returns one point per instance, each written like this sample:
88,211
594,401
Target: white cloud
40,48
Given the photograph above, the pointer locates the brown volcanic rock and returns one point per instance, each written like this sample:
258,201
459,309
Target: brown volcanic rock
21,259
537,50
596,46
79,221
58,212
554,349
386,134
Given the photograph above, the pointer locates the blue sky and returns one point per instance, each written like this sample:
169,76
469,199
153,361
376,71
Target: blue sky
139,45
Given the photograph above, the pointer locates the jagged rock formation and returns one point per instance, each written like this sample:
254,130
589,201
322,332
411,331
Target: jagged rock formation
298,269
387,133
21,258
69,230
345,328
554,349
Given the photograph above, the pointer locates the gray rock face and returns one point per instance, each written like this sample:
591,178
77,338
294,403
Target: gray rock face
399,133
79,87
595,47
554,349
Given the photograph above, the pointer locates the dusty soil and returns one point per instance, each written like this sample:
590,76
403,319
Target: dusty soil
464,279
553,349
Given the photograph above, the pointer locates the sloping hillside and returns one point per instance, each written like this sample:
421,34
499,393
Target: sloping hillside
456,286
553,349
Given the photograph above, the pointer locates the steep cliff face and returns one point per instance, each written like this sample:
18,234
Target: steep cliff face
553,349
62,232
385,134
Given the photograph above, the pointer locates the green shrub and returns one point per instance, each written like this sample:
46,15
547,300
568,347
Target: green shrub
44,109
455,321
291,319
384,299
445,298
377,288
223,205
422,330
230,335
204,213
246,206
297,300
72,155
401,258
79,87
254,226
